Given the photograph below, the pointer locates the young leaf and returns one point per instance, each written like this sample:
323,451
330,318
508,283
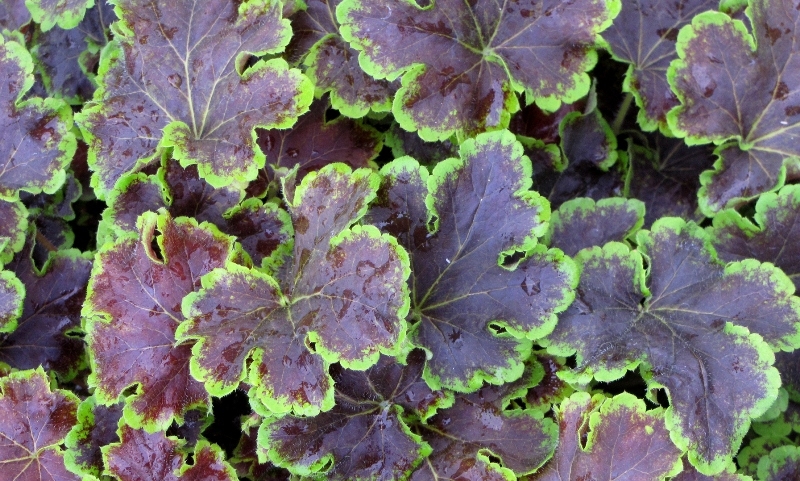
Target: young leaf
475,316
333,64
313,143
365,435
610,439
342,298
67,14
468,59
782,463
245,456
703,330
51,312
140,456
133,309
664,173
168,82
549,388
36,143
12,293
582,223
96,427
775,237
482,424
734,86
35,421
644,35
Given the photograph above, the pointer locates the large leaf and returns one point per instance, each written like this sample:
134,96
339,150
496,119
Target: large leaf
462,62
702,329
475,316
168,82
484,425
140,456
133,309
365,435
51,312
644,35
34,420
341,298
610,439
35,139
333,64
742,88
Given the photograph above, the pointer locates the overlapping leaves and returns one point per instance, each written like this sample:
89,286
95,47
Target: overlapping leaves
463,62
701,329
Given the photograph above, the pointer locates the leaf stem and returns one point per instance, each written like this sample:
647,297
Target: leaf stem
622,113
45,242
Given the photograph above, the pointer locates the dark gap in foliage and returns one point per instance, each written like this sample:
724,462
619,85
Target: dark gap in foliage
609,75
661,397
571,362
130,391
332,114
84,225
156,249
516,403
631,382
226,429
384,156
497,329
511,261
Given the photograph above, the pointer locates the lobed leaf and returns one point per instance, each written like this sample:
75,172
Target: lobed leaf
36,143
96,427
608,439
140,456
644,36
133,309
782,463
341,298
35,421
168,83
475,316
739,90
13,229
703,330
67,14
333,64
365,435
581,223
461,63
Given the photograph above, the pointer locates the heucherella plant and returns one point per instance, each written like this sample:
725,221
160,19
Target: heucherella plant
407,240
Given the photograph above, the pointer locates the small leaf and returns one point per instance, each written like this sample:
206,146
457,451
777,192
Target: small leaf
96,427
608,439
461,294
782,463
364,436
482,424
35,422
469,59
333,64
739,87
689,473
582,223
13,229
165,82
703,330
140,456
36,143
133,309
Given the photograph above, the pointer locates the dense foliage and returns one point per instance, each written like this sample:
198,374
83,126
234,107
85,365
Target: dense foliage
400,239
